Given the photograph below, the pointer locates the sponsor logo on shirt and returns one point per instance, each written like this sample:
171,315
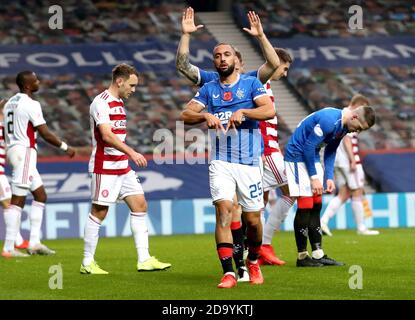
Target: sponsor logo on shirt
318,131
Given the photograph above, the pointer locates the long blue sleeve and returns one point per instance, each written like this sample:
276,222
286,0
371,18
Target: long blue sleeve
329,157
314,139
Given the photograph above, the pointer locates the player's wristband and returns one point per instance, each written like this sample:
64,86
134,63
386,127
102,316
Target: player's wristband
314,177
64,146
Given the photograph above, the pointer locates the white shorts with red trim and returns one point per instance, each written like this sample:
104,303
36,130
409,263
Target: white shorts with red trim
5,190
227,178
274,171
108,188
353,179
299,180
25,176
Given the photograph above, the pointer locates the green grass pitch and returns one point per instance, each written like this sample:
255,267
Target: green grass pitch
387,262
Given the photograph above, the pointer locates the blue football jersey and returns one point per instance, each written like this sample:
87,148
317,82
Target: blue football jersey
207,76
321,128
221,100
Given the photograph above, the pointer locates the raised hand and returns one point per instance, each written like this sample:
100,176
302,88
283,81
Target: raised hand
255,25
188,22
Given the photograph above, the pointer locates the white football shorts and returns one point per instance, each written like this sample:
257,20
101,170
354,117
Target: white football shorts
106,189
25,176
228,178
354,180
274,171
299,180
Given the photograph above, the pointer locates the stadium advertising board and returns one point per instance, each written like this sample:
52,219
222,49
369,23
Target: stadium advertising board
99,58
347,52
179,203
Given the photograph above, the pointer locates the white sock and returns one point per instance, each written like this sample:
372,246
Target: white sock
19,238
358,213
317,254
91,236
139,230
36,216
302,255
12,217
333,206
278,213
262,217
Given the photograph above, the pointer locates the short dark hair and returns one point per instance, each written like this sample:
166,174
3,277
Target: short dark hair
284,55
124,71
225,44
369,115
21,78
238,54
359,99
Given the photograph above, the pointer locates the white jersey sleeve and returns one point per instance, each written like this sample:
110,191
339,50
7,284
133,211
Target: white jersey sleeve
35,114
100,111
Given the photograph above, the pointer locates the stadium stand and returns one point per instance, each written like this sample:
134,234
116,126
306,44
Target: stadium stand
323,18
391,88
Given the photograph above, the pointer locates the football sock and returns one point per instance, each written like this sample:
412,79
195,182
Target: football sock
333,206
317,254
139,230
302,255
301,222
238,244
254,248
12,217
358,213
19,239
314,229
91,236
278,213
36,216
225,256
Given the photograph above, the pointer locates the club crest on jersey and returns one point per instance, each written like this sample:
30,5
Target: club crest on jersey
318,131
227,96
105,193
240,93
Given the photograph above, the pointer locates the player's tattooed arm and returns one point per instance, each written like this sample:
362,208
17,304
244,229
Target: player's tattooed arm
184,66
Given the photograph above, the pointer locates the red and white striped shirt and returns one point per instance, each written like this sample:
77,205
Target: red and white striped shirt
2,149
105,159
269,128
355,146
